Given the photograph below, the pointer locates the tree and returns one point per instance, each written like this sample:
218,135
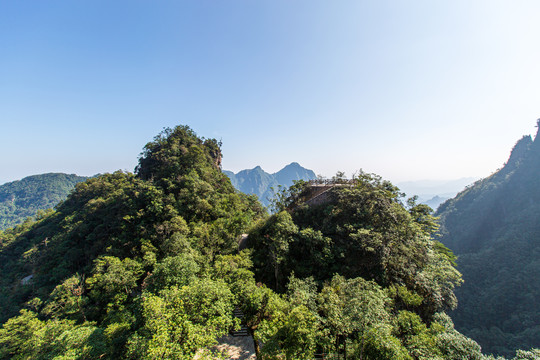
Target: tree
67,300
533,354
235,270
17,333
179,321
176,271
272,242
290,331
284,197
27,337
254,303
352,308
113,283
453,344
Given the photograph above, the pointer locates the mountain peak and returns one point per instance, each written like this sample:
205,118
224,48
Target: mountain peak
257,181
294,171
293,164
520,150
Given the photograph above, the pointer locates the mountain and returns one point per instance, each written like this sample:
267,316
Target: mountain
88,279
254,181
434,192
419,187
146,265
291,172
23,198
434,202
257,181
494,228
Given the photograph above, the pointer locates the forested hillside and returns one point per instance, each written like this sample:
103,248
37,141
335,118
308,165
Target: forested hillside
494,228
147,266
259,182
91,278
23,198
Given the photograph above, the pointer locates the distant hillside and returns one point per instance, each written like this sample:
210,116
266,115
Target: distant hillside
494,228
257,181
435,201
434,192
23,198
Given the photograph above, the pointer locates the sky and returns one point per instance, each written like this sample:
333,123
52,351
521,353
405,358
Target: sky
406,89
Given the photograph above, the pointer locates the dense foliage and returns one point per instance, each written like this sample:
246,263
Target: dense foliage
493,227
24,198
88,266
146,266
390,269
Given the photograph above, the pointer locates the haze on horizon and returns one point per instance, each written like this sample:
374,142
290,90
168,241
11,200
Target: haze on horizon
407,90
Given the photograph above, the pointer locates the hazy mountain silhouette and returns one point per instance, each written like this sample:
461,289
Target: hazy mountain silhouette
434,192
257,181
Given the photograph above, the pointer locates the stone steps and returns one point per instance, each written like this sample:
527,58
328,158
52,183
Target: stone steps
243,331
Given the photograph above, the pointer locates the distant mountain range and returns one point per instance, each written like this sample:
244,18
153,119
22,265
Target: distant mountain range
23,198
259,182
434,192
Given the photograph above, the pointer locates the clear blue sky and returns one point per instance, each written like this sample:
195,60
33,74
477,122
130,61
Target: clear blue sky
406,89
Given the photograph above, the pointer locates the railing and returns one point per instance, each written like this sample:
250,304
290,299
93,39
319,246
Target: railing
331,182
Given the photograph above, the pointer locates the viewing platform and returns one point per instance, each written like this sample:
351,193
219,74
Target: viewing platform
318,191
